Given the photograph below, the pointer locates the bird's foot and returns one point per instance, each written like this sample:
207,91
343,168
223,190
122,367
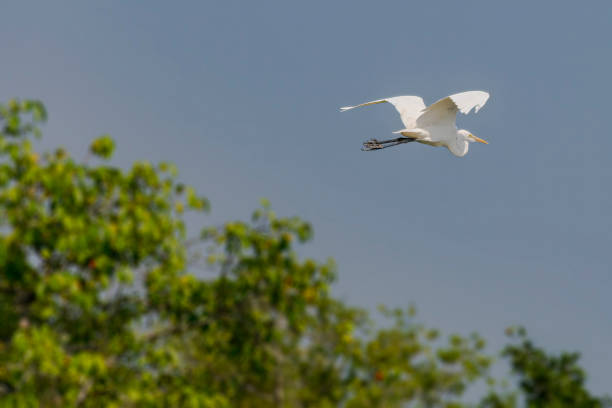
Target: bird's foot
371,144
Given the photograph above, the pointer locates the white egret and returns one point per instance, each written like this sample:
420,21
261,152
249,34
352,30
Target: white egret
433,125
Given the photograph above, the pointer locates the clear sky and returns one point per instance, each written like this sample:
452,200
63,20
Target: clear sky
244,97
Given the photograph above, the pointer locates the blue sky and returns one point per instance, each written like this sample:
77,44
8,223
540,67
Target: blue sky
244,97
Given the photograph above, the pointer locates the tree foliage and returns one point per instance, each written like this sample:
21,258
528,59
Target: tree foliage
105,301
548,380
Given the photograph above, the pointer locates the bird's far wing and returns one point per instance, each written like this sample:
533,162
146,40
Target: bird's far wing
409,107
445,110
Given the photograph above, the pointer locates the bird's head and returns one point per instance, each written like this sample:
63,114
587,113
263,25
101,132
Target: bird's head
470,137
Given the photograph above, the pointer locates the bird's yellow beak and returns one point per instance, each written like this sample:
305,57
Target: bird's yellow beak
479,140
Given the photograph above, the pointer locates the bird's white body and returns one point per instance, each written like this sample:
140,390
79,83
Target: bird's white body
433,125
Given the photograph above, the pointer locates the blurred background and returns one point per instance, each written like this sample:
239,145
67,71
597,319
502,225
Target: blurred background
244,97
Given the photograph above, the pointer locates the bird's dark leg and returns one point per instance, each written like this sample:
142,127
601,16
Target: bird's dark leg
374,144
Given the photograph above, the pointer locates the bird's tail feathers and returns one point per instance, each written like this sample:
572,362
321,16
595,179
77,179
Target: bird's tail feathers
415,133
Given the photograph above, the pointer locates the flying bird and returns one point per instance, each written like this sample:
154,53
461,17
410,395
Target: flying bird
433,125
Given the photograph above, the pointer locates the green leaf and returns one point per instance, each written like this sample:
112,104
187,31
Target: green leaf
103,147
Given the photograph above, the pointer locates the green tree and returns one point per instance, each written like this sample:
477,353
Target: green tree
548,380
105,301
544,380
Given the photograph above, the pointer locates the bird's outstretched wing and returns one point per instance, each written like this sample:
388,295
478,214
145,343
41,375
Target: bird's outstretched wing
409,107
445,110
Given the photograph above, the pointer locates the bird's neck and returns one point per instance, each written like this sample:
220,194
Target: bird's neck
459,147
